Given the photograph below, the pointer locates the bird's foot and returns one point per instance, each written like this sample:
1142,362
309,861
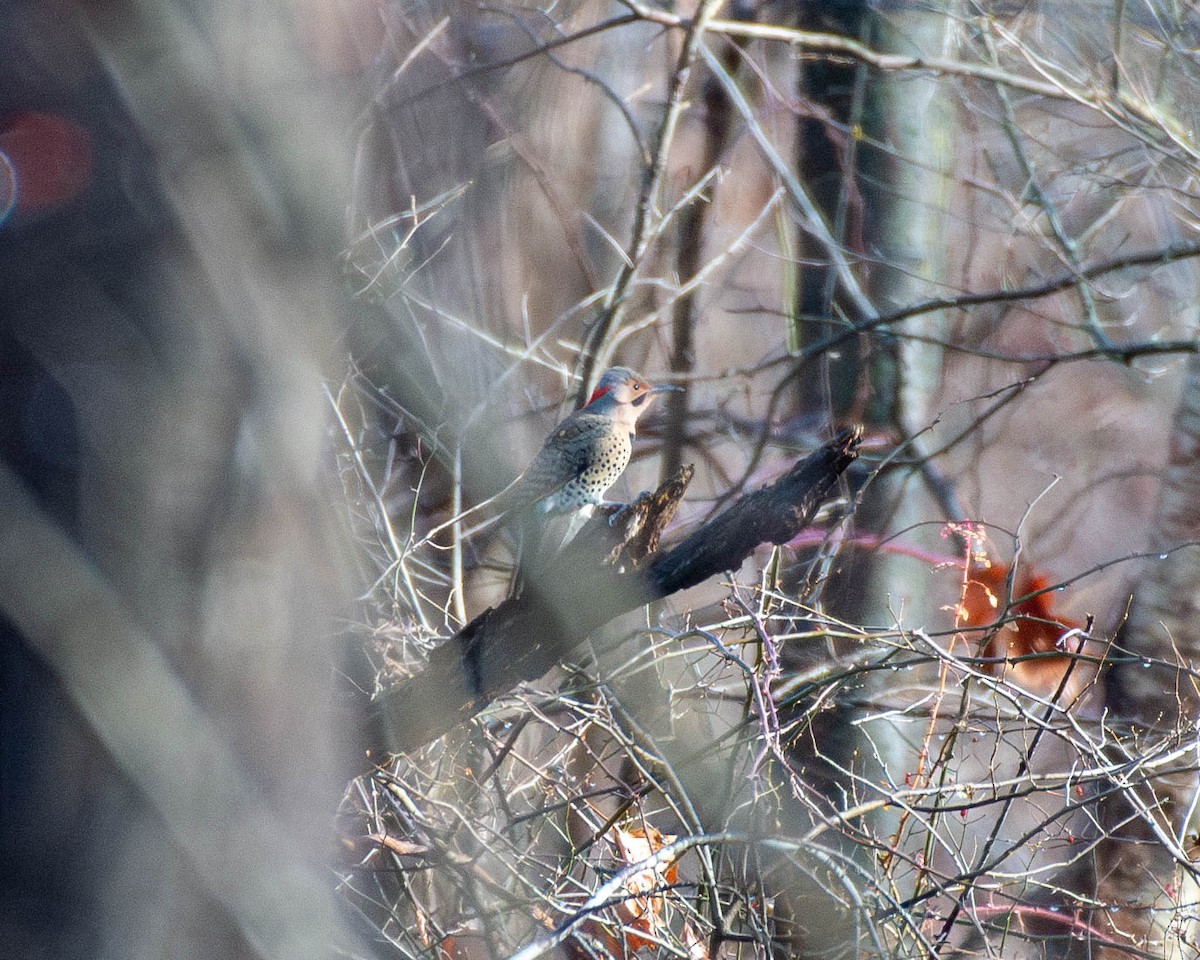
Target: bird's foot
611,509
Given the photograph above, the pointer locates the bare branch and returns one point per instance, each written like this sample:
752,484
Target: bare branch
526,635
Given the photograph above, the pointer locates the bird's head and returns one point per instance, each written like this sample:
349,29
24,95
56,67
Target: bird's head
624,395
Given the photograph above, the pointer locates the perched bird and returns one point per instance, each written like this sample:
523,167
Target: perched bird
586,452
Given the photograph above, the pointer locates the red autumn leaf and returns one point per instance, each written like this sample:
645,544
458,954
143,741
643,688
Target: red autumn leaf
1030,629
642,908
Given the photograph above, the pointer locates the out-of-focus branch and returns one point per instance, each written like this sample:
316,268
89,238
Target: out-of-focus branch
148,720
525,636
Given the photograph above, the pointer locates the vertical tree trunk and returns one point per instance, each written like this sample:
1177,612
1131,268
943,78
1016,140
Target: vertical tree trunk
1138,872
904,228
827,162
885,203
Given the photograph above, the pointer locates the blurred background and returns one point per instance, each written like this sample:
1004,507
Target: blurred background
286,286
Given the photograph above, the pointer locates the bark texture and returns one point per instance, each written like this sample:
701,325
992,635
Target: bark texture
1140,864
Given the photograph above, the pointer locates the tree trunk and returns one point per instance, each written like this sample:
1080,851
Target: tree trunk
1141,868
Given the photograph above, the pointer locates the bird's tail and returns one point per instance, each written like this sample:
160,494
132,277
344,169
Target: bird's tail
541,536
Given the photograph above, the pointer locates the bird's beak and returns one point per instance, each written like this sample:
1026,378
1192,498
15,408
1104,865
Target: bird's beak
665,388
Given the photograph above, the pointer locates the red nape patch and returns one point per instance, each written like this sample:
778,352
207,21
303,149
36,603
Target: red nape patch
597,394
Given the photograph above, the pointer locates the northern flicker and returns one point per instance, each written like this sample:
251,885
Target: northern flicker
584,455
